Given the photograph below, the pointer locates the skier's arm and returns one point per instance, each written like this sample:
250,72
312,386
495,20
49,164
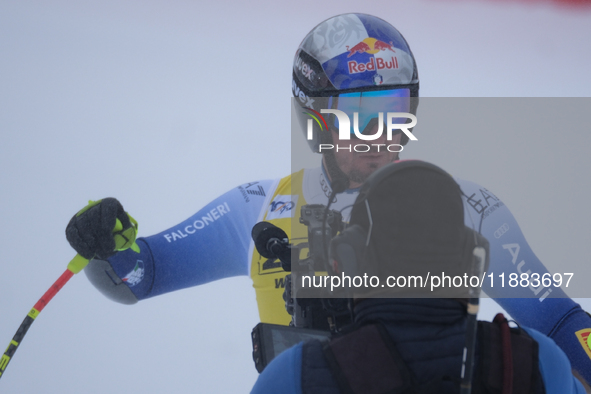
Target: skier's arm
551,312
212,244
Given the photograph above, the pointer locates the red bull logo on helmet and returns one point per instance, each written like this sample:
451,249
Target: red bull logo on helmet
371,46
373,65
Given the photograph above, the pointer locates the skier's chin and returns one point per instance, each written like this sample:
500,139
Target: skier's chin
359,175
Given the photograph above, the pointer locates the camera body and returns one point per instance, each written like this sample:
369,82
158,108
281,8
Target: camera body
312,317
308,312
269,340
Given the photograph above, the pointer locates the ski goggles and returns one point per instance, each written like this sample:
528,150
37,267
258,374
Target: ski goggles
365,108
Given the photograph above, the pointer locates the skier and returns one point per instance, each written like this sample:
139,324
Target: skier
400,343
215,242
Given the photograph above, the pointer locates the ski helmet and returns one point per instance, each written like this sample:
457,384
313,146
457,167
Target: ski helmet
351,55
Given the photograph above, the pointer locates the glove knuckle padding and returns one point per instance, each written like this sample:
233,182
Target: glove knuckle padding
90,232
75,236
107,211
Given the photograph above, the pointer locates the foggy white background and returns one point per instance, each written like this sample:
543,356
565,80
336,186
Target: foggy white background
166,105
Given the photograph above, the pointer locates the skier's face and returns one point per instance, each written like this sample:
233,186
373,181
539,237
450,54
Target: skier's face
358,166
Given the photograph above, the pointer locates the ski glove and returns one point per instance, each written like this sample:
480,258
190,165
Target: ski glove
90,231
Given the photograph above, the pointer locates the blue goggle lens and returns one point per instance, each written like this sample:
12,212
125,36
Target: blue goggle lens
369,104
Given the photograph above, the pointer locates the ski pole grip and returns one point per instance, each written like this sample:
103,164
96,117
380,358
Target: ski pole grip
78,263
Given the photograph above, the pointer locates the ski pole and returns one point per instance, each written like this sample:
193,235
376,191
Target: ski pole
75,266
124,239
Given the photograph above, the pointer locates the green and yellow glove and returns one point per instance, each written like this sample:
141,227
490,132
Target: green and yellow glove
101,229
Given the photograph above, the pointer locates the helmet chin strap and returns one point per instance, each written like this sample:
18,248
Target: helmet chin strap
339,181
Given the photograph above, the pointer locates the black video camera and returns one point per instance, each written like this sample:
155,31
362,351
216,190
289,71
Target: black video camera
312,317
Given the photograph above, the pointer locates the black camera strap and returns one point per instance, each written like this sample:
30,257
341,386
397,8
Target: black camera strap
366,361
